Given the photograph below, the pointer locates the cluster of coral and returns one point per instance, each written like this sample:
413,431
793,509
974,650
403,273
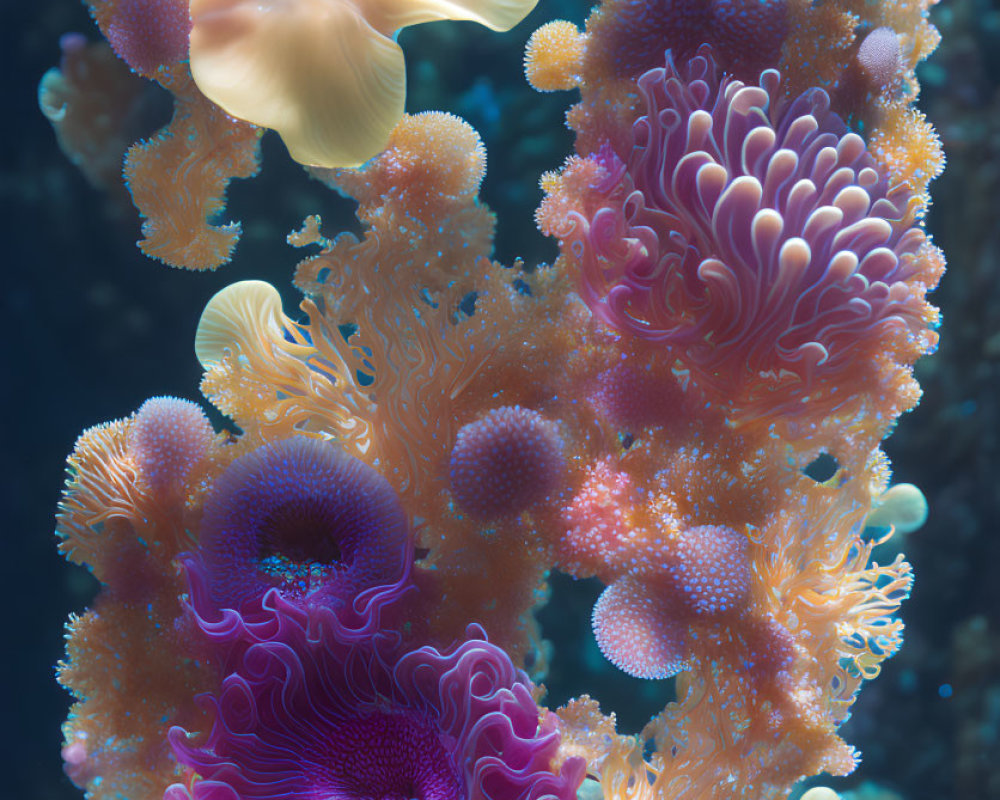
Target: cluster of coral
339,600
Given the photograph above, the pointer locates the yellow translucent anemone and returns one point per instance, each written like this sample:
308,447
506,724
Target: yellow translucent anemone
327,75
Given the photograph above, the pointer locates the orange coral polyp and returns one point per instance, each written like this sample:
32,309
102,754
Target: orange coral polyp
553,57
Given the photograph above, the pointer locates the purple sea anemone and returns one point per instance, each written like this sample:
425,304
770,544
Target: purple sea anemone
757,239
303,517
316,716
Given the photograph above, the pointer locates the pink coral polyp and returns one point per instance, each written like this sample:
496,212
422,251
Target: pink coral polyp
755,237
319,717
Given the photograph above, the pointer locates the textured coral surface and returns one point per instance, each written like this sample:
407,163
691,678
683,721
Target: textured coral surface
337,592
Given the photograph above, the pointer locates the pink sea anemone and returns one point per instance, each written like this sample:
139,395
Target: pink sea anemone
756,239
504,462
316,716
301,516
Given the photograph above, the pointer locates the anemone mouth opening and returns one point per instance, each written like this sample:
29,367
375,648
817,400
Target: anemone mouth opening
302,533
822,468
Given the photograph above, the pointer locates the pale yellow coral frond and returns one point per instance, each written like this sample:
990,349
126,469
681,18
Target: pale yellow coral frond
499,15
232,313
315,71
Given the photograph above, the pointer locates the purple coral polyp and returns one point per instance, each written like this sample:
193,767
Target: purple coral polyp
316,717
305,518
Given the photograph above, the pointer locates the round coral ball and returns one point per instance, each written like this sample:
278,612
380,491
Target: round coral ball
504,462
168,437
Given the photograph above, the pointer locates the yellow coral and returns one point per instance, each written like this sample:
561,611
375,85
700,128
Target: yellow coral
326,74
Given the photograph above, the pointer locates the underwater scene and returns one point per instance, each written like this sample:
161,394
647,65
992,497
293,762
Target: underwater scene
502,399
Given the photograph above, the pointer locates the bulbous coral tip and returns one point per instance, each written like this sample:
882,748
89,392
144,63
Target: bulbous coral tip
148,34
232,312
636,633
431,154
712,570
553,57
902,506
168,437
879,57
505,462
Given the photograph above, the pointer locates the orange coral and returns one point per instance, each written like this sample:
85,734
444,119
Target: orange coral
553,56
412,334
178,179
128,665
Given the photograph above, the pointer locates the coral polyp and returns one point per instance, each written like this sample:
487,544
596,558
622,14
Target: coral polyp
504,462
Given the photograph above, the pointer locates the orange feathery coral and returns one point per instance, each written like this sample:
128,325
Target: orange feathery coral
178,179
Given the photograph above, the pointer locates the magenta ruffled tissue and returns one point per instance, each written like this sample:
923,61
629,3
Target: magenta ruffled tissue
316,715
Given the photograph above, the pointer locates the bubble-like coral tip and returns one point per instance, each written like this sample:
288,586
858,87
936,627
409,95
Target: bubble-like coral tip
638,634
553,56
879,58
903,506
149,34
168,437
504,462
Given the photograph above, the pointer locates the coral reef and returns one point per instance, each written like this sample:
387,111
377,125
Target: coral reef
740,290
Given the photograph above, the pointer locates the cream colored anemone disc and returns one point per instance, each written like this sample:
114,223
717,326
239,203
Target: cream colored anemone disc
325,74
241,312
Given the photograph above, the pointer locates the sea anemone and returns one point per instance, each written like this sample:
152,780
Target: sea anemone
756,239
302,516
318,716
